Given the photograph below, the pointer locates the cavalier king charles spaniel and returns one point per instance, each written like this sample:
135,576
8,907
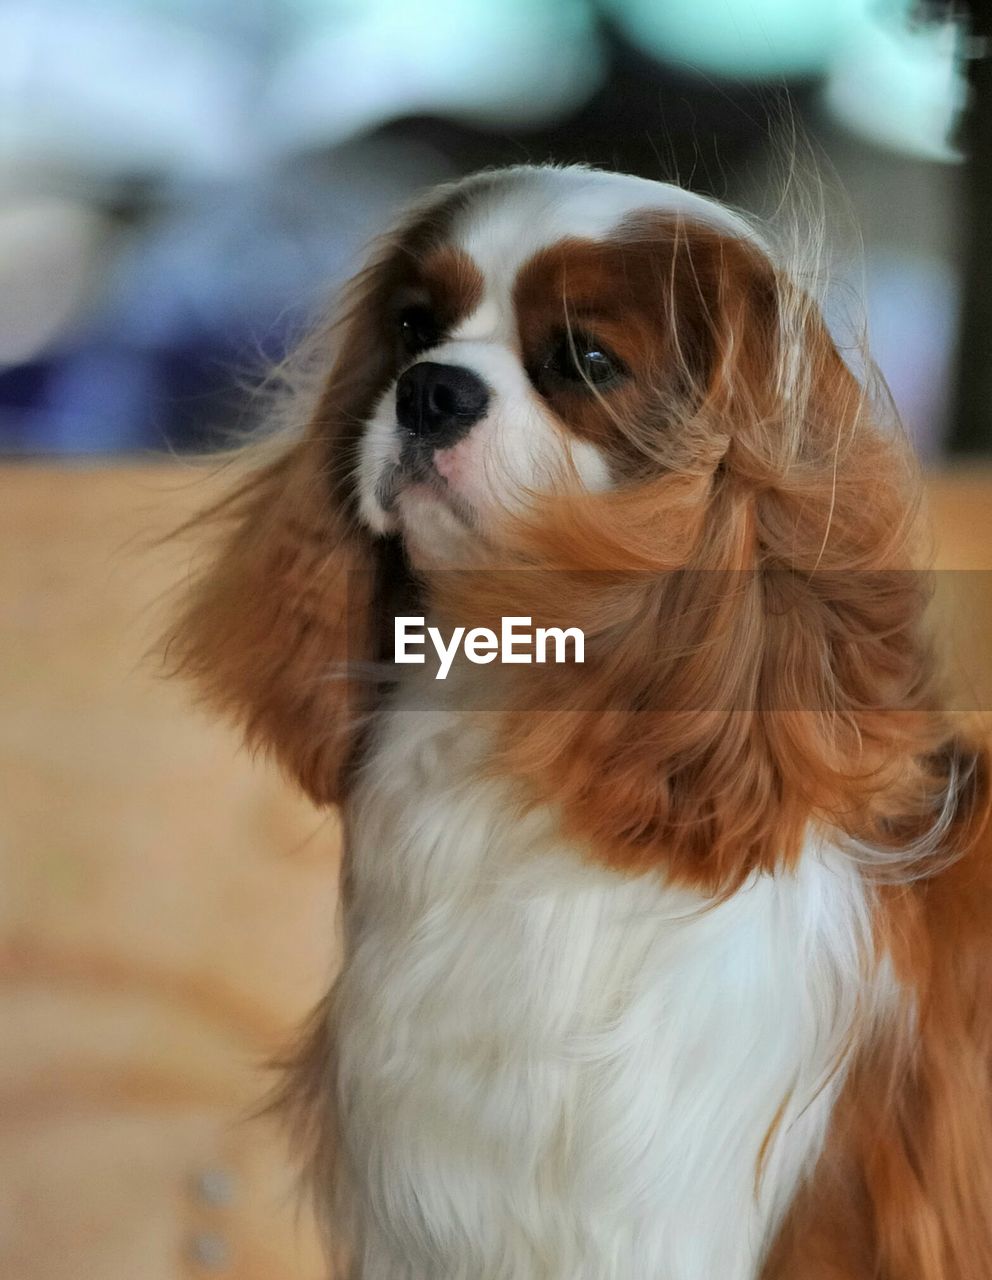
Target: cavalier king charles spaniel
672,964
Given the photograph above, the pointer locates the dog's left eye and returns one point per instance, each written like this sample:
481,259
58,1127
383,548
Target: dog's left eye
578,358
418,328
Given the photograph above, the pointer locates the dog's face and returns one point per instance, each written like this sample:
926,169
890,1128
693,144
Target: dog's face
540,330
569,370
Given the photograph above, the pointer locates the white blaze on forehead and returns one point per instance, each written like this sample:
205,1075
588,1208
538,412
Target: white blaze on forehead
519,446
488,320
526,210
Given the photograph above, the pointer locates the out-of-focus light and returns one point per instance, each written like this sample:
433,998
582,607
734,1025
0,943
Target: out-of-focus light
913,304
96,89
900,87
887,79
509,63
749,39
48,252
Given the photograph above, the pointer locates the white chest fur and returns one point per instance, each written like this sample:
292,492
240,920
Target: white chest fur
550,1072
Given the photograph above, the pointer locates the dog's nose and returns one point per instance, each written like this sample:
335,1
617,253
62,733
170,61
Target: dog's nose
439,403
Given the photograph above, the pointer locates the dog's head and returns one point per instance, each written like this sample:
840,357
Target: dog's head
580,371
546,330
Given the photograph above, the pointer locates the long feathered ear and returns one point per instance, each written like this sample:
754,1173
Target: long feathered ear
280,630
284,627
276,630
756,654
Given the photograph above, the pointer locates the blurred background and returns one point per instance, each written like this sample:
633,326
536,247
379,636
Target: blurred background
184,184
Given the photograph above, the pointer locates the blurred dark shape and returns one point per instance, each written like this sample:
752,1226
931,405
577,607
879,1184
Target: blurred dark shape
971,430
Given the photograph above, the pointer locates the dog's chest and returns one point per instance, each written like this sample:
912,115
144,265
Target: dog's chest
547,1070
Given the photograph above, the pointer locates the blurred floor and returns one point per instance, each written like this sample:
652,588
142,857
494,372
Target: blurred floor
167,915
168,904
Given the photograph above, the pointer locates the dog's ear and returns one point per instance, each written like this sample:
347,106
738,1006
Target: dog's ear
283,628
763,662
279,630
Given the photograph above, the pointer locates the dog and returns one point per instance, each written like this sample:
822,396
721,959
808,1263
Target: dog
672,964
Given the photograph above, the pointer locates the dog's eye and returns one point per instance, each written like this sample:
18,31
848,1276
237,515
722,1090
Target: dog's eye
418,328
578,358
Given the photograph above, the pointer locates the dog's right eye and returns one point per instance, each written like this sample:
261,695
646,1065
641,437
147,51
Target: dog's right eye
418,329
579,359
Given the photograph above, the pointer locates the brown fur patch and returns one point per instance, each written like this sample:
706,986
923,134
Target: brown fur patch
661,295
758,658
903,1188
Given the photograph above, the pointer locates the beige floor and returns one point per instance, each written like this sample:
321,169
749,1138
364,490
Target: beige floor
167,905
166,915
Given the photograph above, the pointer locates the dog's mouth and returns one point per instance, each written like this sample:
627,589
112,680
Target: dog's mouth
413,468
415,474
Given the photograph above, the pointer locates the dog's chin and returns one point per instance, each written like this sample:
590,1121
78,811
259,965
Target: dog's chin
439,529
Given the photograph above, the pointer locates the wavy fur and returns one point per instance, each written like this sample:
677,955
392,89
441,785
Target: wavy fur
755,760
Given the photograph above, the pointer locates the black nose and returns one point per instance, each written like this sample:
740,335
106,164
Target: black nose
438,403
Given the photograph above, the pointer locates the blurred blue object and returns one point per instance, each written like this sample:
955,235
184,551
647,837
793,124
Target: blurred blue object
913,306
198,298
213,90
506,64
185,182
110,90
753,39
